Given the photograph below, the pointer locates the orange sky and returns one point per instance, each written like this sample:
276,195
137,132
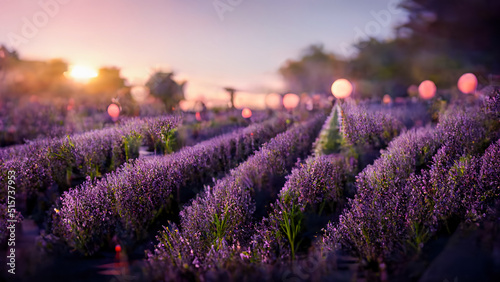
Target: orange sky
242,46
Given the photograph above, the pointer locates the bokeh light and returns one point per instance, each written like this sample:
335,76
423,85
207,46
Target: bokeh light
291,101
139,93
427,89
246,113
273,101
387,99
341,88
467,83
114,111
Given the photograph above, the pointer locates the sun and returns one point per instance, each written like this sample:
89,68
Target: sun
82,73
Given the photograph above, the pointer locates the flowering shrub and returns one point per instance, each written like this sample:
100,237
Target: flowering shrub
159,135
373,222
140,191
465,131
82,208
31,120
92,153
361,126
42,163
218,220
460,188
412,114
490,169
403,197
311,187
492,105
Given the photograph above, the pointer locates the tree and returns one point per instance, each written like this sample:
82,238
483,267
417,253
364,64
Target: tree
108,81
162,86
463,29
440,41
314,72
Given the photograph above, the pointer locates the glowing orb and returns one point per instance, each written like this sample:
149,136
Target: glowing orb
467,83
82,73
113,111
291,101
387,99
246,113
427,89
341,88
273,101
139,93
118,248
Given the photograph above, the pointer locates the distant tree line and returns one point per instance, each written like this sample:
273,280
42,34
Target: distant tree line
440,41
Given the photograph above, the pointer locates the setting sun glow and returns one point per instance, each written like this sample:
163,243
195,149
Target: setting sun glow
82,73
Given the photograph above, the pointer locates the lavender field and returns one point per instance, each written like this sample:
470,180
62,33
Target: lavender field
233,140
354,193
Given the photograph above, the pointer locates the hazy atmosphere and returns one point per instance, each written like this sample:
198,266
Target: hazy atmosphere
238,140
210,43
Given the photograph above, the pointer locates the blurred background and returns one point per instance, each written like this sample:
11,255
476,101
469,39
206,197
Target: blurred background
63,62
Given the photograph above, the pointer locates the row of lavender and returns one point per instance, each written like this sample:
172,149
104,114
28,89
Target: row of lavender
316,191
351,125
221,217
56,163
234,232
425,180
42,163
126,203
31,120
276,238
426,177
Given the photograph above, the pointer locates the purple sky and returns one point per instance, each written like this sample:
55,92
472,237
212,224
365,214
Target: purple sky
242,46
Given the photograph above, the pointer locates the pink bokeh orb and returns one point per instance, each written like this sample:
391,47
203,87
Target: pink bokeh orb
291,101
341,88
467,83
113,111
246,113
427,89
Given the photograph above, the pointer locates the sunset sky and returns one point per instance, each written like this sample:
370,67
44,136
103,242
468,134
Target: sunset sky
242,46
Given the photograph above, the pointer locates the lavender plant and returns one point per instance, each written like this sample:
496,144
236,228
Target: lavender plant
28,121
490,170
160,135
375,225
219,218
312,186
361,126
42,163
374,220
141,191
